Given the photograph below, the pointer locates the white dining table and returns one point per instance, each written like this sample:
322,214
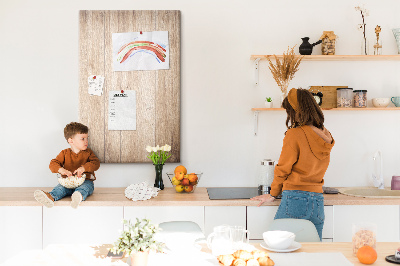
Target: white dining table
87,255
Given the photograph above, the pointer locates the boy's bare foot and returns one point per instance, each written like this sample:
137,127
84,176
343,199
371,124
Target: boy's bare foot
76,199
44,198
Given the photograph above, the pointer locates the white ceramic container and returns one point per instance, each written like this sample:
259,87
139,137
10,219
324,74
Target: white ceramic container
380,102
279,240
268,104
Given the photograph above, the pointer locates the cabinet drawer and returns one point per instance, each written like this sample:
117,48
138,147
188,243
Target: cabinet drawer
259,219
218,215
20,229
85,225
386,217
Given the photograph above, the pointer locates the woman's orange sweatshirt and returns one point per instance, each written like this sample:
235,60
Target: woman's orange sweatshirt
303,161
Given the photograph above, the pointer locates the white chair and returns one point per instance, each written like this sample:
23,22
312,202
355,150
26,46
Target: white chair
304,230
178,234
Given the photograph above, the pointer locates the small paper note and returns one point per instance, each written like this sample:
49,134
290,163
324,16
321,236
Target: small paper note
95,85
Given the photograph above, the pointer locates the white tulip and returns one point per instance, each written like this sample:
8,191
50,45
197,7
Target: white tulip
158,147
167,147
162,148
154,149
149,148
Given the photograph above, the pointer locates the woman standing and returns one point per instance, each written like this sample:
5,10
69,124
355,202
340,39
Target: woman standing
305,156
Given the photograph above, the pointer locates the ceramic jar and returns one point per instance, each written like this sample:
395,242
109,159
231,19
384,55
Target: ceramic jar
344,97
395,185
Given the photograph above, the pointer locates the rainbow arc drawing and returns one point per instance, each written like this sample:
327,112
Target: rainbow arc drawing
129,49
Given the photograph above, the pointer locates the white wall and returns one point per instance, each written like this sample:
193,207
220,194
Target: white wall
39,87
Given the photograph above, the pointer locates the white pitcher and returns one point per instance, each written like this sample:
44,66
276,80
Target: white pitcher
220,241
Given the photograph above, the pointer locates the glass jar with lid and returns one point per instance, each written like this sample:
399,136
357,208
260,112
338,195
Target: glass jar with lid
344,97
266,176
360,98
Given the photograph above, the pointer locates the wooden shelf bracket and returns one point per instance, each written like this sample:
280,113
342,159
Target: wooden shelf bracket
256,70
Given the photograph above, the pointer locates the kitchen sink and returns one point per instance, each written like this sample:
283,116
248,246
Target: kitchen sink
370,192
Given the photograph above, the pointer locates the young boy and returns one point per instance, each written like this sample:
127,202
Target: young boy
77,160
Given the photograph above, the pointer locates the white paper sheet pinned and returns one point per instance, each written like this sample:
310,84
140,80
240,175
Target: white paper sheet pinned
140,50
96,83
122,110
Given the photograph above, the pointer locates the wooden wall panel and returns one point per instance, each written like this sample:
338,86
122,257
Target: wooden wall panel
157,92
91,62
132,142
168,86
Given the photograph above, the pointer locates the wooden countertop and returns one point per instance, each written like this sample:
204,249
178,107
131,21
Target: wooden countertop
23,196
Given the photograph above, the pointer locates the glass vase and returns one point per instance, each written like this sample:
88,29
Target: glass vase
364,46
284,93
396,33
159,181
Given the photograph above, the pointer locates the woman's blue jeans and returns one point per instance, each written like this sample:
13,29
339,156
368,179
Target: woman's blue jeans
306,205
86,189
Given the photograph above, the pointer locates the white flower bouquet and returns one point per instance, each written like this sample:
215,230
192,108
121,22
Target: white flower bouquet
137,237
158,154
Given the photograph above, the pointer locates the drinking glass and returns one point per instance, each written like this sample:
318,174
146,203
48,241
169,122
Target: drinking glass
240,236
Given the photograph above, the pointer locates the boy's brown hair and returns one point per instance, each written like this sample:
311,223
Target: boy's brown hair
74,128
308,111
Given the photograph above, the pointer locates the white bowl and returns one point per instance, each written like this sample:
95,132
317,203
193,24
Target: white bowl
279,239
72,181
380,102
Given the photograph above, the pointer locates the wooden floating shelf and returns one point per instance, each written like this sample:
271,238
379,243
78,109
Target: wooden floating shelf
336,57
334,109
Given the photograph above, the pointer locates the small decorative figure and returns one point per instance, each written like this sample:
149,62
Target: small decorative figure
328,43
378,44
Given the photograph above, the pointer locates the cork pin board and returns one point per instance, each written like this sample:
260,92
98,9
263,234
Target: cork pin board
157,91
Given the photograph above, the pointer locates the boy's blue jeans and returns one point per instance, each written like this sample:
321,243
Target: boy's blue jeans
306,205
86,189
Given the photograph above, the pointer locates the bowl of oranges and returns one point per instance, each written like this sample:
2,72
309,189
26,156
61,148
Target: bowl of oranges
182,181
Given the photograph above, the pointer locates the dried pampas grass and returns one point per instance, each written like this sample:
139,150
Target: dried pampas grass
283,71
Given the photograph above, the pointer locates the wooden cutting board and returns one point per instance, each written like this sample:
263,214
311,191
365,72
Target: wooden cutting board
329,98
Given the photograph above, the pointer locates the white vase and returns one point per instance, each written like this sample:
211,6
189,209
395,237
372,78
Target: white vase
268,104
139,258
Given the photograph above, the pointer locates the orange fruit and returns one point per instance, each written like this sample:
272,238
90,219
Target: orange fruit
180,169
367,255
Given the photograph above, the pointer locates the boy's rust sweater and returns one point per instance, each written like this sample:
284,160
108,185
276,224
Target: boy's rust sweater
303,161
71,161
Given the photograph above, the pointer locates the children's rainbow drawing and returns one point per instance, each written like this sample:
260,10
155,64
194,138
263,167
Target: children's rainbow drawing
129,49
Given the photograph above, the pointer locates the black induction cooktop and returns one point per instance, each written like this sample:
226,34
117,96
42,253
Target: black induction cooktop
225,193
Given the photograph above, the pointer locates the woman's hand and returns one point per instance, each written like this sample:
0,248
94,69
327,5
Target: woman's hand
263,198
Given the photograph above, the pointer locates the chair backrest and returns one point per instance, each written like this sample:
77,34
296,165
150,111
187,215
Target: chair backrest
304,230
180,226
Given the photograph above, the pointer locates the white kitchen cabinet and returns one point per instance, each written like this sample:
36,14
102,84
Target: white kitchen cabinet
259,219
20,229
159,214
218,215
85,225
386,217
